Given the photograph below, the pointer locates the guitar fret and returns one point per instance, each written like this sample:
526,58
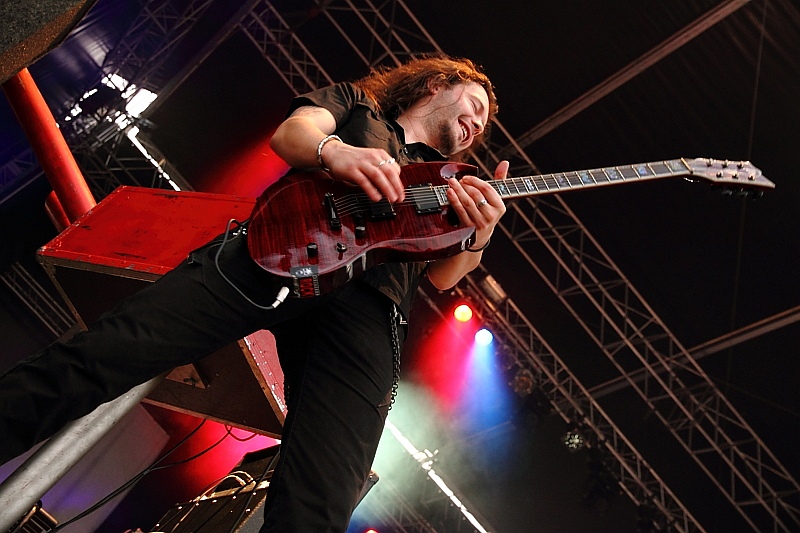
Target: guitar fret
441,194
642,170
628,172
599,176
566,181
676,165
512,186
529,185
586,177
613,174
660,168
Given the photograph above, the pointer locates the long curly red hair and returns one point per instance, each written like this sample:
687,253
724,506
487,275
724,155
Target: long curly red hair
395,89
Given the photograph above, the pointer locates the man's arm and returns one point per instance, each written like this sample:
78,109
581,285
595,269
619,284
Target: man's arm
466,197
297,139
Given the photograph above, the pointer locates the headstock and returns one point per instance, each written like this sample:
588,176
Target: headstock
732,176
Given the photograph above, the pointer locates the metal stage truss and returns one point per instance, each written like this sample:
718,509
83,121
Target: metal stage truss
545,232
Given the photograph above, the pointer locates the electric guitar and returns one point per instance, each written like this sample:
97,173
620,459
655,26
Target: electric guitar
319,233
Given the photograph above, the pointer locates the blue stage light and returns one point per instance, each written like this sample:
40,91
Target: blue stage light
484,337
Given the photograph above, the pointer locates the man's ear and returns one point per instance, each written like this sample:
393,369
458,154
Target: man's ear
434,86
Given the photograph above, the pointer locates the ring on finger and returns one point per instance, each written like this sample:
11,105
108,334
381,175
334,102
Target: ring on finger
389,161
482,202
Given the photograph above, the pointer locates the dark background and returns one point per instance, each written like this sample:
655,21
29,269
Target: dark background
706,263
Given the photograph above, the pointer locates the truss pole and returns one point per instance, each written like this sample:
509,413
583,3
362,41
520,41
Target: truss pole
573,403
627,330
629,71
28,483
49,145
33,295
723,342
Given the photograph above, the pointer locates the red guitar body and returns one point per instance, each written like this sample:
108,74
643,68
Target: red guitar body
319,233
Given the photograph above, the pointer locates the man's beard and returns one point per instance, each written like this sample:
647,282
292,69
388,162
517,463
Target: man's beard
446,140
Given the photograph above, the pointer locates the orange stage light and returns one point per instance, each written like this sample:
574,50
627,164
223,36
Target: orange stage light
463,313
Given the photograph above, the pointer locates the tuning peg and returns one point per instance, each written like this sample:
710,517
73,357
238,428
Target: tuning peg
756,195
726,191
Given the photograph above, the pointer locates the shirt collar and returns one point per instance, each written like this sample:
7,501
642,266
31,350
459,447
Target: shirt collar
417,150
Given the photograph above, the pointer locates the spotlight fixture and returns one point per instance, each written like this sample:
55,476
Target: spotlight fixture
574,439
523,382
463,313
492,289
484,337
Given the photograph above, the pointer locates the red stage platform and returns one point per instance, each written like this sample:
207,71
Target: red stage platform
133,237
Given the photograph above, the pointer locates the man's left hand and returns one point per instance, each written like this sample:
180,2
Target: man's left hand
477,203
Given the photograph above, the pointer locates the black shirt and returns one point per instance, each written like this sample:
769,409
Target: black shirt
358,123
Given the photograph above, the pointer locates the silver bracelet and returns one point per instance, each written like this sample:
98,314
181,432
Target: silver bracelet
319,149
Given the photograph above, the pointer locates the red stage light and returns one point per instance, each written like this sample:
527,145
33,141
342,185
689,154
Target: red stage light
463,313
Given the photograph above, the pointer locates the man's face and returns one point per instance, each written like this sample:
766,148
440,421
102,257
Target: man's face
457,115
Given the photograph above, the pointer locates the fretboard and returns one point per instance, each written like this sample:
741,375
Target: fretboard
563,181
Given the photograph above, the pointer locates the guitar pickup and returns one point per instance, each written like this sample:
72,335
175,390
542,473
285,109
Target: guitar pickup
333,214
425,200
381,210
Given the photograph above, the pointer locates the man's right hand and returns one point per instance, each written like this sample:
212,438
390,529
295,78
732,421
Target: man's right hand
372,169
297,140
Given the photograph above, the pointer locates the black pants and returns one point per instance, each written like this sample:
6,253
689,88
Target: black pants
336,352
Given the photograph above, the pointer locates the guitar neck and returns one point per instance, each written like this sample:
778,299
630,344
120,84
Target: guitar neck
511,188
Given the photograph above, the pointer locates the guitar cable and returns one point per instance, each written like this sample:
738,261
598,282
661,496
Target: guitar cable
282,293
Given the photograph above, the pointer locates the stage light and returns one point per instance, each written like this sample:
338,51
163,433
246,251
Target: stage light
492,289
484,337
463,313
574,439
523,382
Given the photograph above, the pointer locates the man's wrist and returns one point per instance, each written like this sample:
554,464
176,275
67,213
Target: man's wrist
325,140
480,248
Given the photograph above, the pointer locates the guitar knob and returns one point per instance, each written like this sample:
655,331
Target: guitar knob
341,247
311,249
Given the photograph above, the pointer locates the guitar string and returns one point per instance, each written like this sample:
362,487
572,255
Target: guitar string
353,202
516,185
519,185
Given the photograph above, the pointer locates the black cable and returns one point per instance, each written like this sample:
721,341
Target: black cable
240,439
267,469
152,468
282,293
